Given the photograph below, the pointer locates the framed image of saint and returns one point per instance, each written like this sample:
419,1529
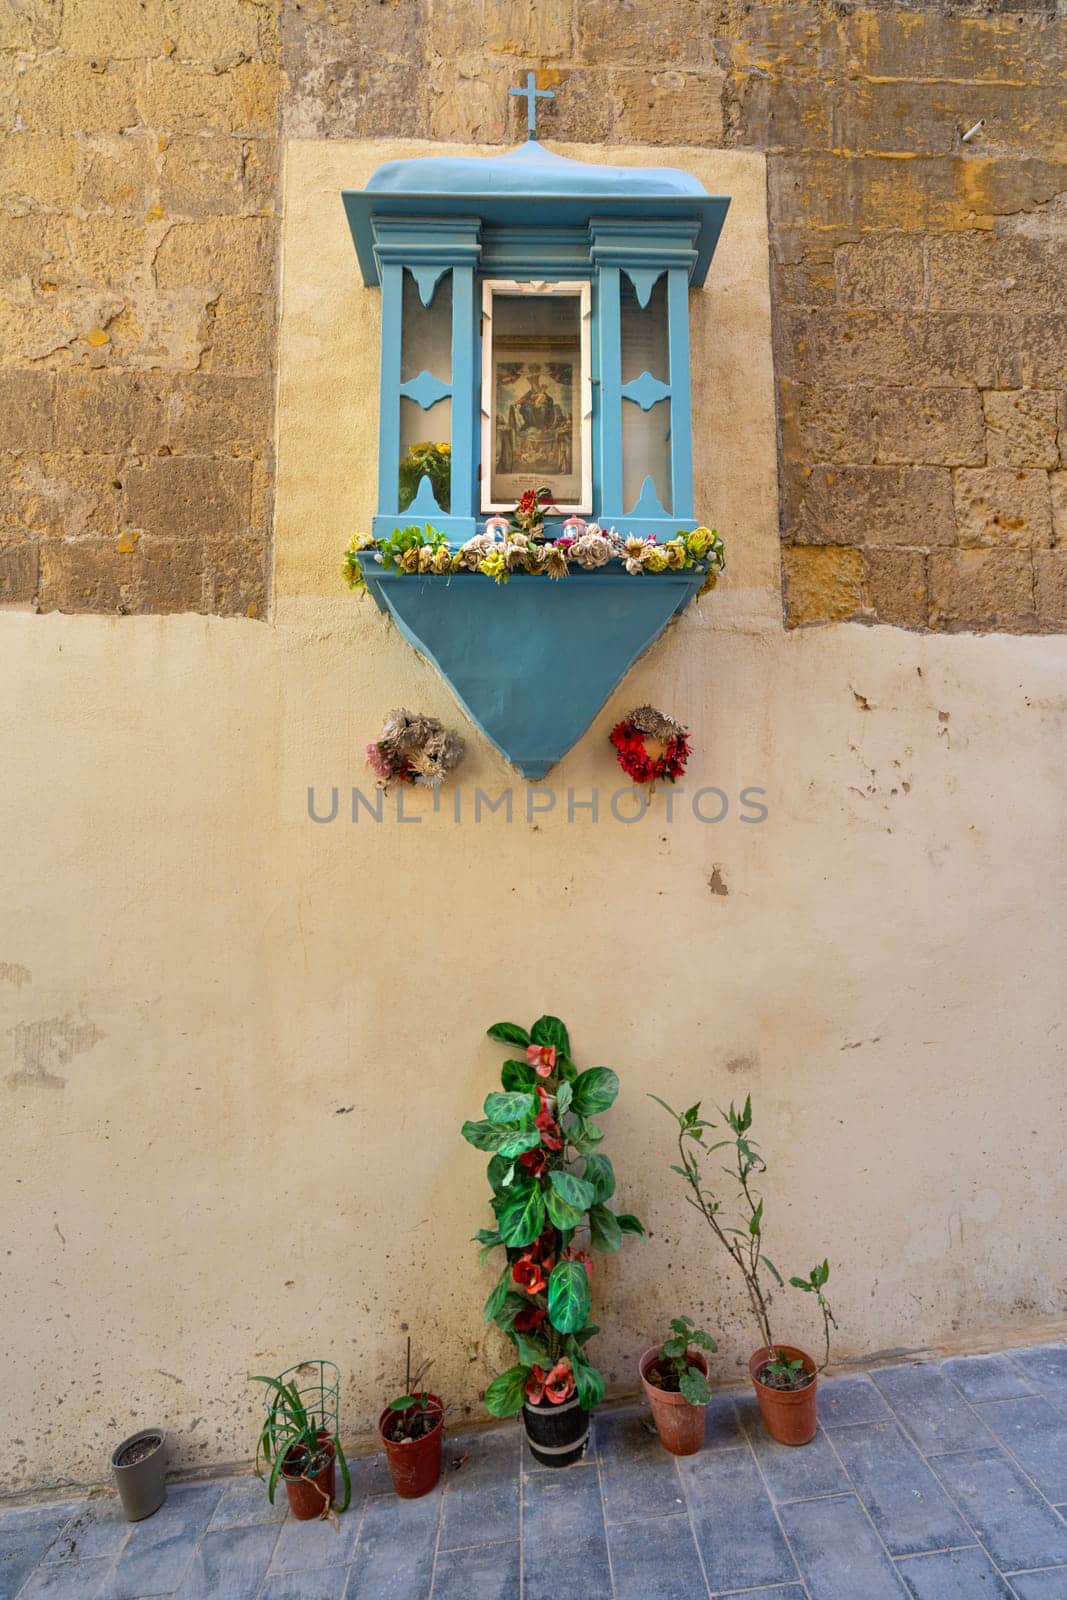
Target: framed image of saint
536,394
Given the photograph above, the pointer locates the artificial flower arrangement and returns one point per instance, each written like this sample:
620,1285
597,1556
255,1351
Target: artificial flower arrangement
426,460
414,749
519,543
550,1187
650,746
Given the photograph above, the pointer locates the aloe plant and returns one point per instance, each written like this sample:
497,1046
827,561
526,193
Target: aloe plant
289,1444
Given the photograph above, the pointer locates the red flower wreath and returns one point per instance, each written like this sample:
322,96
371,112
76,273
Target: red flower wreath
631,738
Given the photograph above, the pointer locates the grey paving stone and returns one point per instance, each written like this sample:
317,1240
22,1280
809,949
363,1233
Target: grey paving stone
794,1473
1046,1368
658,1558
26,1533
907,1504
563,1535
953,1575
847,1400
1048,1585
244,1504
229,1564
987,1378
839,1554
394,1557
67,1580
1017,1527
481,1498
638,1477
734,1522
327,1584
154,1558
931,1409
317,1544
722,1426
1036,1435
485,1572
97,1528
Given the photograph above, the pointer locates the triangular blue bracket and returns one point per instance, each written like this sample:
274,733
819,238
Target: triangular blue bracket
532,661
424,506
644,280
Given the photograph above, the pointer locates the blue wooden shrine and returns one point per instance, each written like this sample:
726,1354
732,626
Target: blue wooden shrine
535,320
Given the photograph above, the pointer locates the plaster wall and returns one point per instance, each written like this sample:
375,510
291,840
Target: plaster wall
236,1046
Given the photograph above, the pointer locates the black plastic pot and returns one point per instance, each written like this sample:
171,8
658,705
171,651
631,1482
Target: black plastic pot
141,1483
557,1435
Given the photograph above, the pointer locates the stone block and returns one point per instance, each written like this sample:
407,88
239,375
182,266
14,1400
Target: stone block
827,424
541,32
26,404
1057,483
181,98
241,335
583,110
669,107
30,24
220,33
896,585
110,251
118,173
777,114
931,44
259,177
881,271
908,118
68,495
202,176
110,411
982,589
1043,351
937,427
216,414
1050,586
88,575
19,559
1021,428
63,94
118,29
838,346
38,172
32,248
189,497
877,505
172,575
357,70
822,584
233,254
674,33
792,40
236,577
969,270
1001,506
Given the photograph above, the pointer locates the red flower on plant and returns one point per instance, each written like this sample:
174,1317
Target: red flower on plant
529,1273
574,1254
526,1321
535,1162
535,1385
554,1386
549,1130
542,1057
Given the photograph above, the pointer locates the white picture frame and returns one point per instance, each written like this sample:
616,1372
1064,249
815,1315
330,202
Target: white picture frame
563,452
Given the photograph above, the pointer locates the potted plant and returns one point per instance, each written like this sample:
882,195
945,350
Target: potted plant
139,1465
299,1442
550,1187
784,1377
411,1429
674,1375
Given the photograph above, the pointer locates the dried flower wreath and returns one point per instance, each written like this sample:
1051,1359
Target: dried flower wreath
414,749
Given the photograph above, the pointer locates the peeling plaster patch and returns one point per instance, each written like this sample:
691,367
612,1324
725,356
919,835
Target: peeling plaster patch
741,1064
42,1046
14,972
716,882
861,700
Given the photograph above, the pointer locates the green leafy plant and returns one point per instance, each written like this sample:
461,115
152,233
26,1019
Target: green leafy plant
415,1412
675,1371
295,1441
550,1191
741,1235
426,460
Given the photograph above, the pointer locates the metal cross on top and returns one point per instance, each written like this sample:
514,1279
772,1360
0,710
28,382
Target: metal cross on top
531,94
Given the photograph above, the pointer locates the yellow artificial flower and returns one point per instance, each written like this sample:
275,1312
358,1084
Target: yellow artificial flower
442,559
494,566
656,561
674,550
409,561
700,542
360,541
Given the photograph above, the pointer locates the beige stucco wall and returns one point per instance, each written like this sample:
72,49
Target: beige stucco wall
196,981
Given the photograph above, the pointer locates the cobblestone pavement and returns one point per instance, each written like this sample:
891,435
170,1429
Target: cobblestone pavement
936,1481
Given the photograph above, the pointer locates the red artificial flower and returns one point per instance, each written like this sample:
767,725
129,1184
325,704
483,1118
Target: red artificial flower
574,1254
529,1273
559,1384
535,1161
549,1130
526,1321
542,1057
635,761
528,502
535,1386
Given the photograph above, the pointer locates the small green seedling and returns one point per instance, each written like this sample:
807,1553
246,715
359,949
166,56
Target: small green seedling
674,1360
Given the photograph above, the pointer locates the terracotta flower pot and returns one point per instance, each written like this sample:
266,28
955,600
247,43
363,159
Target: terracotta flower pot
312,1495
414,1464
679,1423
557,1435
789,1415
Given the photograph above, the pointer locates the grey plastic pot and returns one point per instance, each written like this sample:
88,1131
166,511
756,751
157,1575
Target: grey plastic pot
141,1484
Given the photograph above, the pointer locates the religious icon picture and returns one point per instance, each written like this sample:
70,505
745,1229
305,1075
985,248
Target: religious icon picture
536,393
